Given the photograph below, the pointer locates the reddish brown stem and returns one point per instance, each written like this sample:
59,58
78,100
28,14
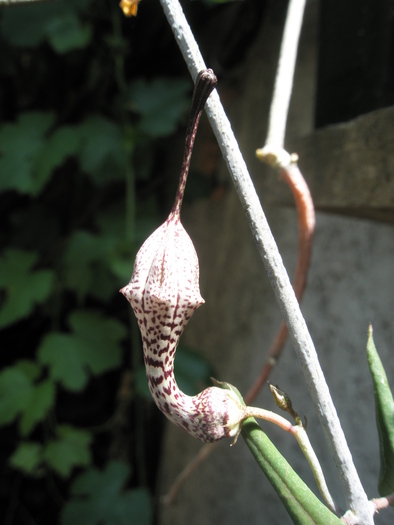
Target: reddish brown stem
205,83
306,226
199,458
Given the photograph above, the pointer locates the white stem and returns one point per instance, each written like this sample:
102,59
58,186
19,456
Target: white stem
285,74
267,415
356,498
384,502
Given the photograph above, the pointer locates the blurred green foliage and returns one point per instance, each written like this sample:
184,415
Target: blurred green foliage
100,499
58,23
22,286
82,117
384,418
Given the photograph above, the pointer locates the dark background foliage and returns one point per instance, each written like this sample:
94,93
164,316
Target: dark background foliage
92,109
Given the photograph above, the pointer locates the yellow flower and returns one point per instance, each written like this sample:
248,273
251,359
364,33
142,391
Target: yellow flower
129,7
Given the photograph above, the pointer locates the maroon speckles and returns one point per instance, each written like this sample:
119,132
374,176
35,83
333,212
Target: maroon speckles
155,381
153,363
167,390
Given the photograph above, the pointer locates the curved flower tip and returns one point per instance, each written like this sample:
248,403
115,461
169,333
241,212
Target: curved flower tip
165,276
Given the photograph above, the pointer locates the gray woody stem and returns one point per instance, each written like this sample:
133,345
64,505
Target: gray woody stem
356,498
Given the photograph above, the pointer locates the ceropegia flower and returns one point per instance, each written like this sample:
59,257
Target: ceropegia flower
164,292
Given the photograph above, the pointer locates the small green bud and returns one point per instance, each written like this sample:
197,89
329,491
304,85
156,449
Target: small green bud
283,401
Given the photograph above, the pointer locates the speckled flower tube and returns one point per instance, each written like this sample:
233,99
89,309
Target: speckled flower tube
164,292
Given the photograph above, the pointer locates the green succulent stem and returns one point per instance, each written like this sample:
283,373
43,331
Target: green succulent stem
299,432
300,502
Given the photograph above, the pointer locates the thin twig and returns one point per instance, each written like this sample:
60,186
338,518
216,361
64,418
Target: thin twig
383,503
306,447
356,498
199,458
306,226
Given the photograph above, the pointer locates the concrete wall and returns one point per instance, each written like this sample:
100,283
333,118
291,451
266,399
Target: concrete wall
351,283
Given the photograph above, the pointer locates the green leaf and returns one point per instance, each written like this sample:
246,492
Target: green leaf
23,287
29,152
102,483
101,336
192,371
102,154
20,396
301,503
57,22
63,143
24,26
70,449
60,352
99,499
93,346
27,458
82,251
20,147
86,264
135,503
40,401
161,104
66,33
29,368
15,391
119,256
384,417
